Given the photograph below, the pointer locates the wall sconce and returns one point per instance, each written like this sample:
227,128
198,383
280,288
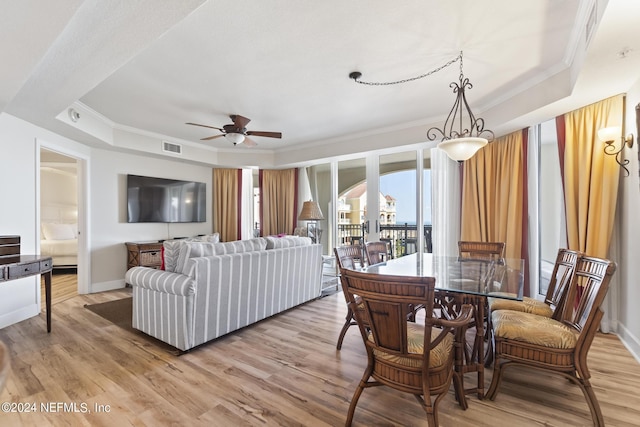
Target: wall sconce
609,136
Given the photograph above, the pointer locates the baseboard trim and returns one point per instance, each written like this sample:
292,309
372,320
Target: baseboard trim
630,341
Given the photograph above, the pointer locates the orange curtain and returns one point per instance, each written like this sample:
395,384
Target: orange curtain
278,201
226,203
494,196
591,177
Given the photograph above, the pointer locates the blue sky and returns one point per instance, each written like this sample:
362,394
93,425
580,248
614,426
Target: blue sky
402,186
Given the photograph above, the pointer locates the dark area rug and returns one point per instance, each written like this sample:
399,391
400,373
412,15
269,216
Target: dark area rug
119,313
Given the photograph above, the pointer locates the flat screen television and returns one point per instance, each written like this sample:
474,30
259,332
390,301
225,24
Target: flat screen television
165,200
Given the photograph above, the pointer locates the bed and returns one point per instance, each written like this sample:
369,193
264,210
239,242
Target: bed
59,235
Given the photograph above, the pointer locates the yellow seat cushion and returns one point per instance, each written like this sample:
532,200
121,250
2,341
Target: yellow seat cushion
415,345
533,329
527,305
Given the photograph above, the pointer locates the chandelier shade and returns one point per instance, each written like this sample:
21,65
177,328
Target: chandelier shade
461,149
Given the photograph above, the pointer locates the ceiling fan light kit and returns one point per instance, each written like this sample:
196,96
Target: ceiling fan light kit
237,132
462,134
235,138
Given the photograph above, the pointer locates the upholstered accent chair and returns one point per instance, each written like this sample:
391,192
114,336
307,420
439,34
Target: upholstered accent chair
351,257
403,355
556,345
376,252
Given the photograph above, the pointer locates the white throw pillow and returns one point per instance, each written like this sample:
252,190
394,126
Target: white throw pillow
171,249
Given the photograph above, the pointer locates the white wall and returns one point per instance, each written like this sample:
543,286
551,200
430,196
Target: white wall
628,266
20,299
107,227
108,218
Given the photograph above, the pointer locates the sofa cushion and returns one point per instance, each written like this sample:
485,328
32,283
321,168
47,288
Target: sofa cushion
235,247
191,249
286,241
533,329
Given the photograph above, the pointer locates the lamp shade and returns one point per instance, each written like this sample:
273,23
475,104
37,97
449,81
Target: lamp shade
236,138
310,211
460,149
609,134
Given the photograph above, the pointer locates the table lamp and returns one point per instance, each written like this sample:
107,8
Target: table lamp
311,212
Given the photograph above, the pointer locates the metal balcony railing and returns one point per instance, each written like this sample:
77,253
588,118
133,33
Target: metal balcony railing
401,238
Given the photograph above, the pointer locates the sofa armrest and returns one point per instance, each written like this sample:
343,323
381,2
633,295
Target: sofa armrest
160,281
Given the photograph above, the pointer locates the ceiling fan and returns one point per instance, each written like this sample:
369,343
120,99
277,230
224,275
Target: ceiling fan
237,132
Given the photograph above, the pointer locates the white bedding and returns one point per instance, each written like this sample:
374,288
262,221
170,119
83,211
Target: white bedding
59,234
56,248
64,253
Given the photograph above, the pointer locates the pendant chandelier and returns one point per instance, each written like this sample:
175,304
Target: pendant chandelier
462,134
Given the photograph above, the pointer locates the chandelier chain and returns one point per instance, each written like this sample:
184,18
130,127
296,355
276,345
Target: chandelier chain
410,79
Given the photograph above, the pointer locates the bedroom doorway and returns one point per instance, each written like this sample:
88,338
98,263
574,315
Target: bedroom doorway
59,220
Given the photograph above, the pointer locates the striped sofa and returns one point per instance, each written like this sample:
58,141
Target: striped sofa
217,288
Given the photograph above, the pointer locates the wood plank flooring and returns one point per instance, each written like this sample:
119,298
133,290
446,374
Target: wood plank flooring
284,371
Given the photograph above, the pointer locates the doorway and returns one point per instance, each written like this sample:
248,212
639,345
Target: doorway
59,208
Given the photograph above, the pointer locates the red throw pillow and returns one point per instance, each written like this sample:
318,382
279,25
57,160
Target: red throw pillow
162,256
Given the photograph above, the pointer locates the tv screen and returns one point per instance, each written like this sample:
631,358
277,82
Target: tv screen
165,200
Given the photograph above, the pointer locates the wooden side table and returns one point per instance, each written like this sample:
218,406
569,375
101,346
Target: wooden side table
144,254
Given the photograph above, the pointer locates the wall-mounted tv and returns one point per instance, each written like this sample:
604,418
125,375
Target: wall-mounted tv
165,200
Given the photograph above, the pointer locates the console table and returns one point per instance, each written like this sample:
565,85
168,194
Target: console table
13,266
145,254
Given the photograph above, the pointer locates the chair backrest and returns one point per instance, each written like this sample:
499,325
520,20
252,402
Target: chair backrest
387,300
481,250
588,288
561,276
349,256
376,252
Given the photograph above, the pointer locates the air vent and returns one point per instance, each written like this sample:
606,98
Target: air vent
170,147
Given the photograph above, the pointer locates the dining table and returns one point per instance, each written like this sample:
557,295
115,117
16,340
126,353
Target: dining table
461,281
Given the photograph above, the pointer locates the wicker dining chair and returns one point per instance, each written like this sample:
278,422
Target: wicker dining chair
555,297
554,300
376,252
481,250
556,345
351,257
403,355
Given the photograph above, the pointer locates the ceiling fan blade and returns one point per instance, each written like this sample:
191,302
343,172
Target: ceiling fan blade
249,142
204,126
211,137
267,134
240,121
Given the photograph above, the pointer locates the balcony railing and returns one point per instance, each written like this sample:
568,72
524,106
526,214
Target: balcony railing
401,238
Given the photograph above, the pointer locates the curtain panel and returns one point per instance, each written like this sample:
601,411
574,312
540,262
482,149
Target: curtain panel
494,196
590,177
278,201
227,185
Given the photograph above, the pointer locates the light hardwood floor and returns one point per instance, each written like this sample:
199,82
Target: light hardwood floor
282,371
